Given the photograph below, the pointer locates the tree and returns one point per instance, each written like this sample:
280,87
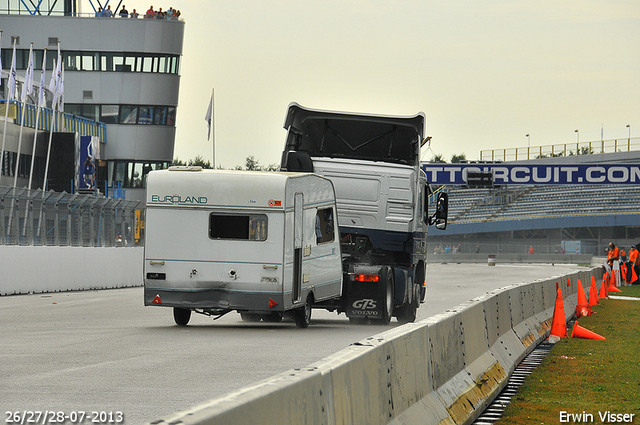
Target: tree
438,159
197,161
456,159
252,164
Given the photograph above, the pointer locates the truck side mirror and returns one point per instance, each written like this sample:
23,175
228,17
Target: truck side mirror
439,218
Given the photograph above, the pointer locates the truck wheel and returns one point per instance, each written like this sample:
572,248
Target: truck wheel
387,308
250,317
408,313
302,315
181,316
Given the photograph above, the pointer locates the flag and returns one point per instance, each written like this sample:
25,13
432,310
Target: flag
58,78
27,87
11,84
208,117
41,89
52,82
0,53
61,90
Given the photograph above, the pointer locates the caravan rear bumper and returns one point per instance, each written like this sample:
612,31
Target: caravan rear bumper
214,298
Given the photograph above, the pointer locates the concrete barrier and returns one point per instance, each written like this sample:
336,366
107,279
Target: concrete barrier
511,258
29,269
442,370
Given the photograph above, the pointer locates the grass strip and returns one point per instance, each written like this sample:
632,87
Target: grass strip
586,377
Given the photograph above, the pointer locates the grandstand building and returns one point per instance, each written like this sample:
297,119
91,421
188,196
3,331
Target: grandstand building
119,73
550,219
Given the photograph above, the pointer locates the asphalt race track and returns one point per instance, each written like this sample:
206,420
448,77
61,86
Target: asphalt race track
103,351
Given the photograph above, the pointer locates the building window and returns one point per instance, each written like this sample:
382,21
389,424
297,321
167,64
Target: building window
98,61
132,174
128,114
123,114
109,114
146,115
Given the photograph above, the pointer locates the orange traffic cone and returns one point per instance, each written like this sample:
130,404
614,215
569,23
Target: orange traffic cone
612,283
580,332
613,288
559,324
582,309
603,289
593,293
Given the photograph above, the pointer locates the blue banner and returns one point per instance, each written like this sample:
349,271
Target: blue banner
510,174
89,154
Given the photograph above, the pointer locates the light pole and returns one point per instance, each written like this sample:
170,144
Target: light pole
528,146
577,136
629,142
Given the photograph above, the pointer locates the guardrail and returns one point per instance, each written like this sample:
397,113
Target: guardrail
443,370
626,144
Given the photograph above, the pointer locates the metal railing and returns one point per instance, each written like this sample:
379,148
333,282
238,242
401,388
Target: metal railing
34,217
63,121
626,144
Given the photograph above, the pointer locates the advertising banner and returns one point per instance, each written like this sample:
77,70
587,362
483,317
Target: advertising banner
503,174
89,155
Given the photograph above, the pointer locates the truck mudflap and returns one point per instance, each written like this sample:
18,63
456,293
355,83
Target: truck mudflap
370,292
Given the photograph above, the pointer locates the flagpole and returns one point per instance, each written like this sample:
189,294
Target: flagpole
208,117
40,98
213,128
25,91
53,115
10,88
52,85
35,133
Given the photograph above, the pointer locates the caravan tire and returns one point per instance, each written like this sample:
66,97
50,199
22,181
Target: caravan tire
250,317
302,315
274,317
181,316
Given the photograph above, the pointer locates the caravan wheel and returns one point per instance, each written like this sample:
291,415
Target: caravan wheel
250,317
302,315
181,316
273,317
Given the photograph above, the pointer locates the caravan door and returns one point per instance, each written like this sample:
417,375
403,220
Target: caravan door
298,225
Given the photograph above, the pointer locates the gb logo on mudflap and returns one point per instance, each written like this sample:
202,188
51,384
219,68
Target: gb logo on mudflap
364,308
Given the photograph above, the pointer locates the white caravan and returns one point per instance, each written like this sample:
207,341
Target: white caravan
259,243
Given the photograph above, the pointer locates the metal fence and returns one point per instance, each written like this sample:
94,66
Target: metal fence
626,144
34,217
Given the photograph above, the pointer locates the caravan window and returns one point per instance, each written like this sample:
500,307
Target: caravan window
252,227
324,225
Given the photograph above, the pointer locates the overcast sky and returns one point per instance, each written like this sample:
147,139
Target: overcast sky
485,73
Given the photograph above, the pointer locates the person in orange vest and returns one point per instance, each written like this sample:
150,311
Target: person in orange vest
623,264
633,261
614,254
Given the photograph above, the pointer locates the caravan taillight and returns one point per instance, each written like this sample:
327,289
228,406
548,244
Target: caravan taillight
366,277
